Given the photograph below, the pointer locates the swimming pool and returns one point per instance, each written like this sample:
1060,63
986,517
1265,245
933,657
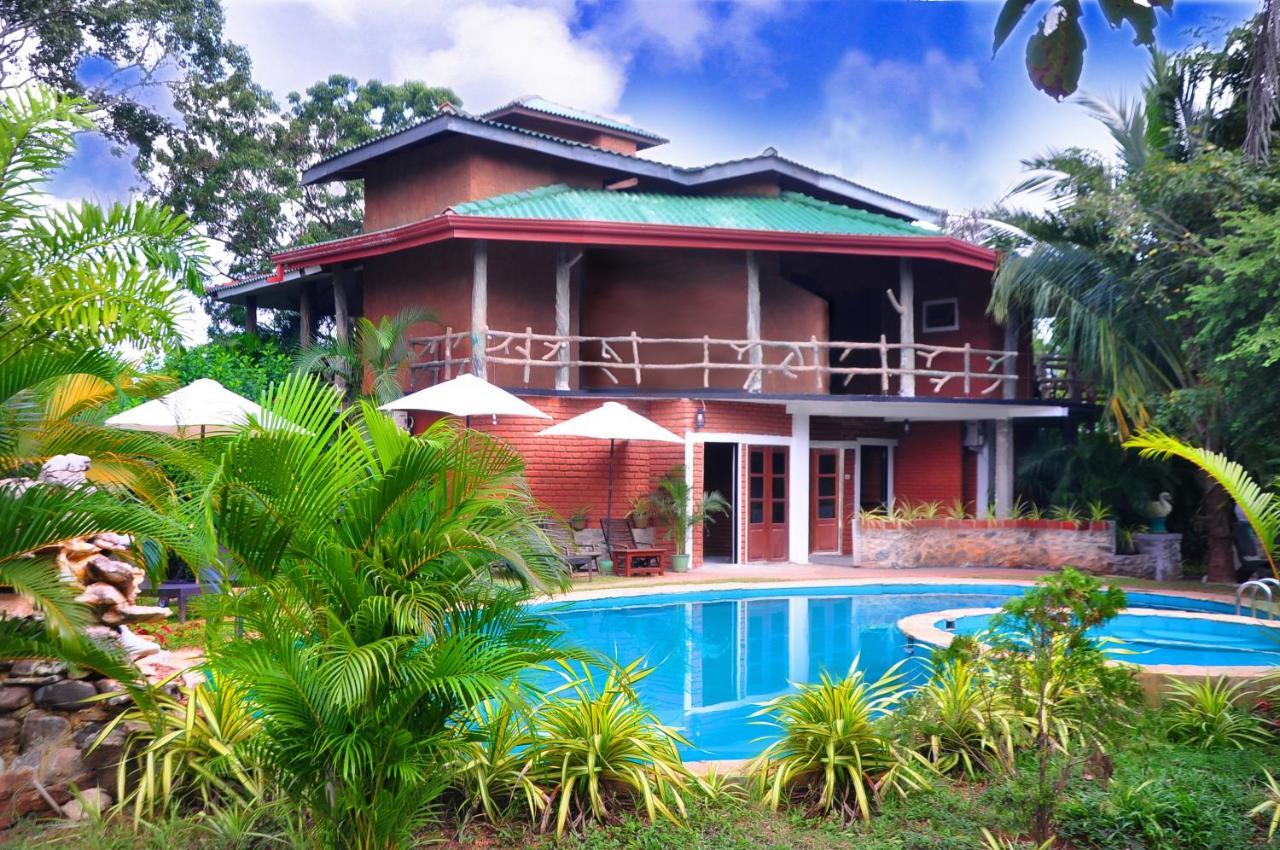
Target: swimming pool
718,653
1161,638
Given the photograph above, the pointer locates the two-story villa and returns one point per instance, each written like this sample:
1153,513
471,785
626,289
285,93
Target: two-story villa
820,345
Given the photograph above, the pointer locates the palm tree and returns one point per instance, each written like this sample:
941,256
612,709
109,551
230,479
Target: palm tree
1260,508
73,283
384,580
373,356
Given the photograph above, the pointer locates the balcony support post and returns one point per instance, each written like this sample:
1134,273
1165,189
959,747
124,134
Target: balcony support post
798,490
341,313
906,327
756,354
1011,333
306,317
480,309
565,261
251,314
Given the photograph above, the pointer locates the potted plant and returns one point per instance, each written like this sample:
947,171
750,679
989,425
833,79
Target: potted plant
578,519
641,510
677,508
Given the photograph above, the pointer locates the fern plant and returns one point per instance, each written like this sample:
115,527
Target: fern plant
1261,508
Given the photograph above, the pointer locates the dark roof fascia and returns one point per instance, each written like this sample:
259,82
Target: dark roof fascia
818,179
336,168
642,140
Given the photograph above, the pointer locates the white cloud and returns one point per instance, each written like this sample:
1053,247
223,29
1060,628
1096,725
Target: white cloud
493,53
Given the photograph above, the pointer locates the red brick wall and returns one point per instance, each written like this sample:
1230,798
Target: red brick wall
686,294
421,182
972,289
929,463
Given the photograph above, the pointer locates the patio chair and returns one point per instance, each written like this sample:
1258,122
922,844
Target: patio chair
1248,550
579,558
629,558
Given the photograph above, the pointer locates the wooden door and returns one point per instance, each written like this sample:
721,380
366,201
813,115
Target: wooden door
767,503
824,500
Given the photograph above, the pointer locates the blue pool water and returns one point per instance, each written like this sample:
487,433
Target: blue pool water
1159,640
718,653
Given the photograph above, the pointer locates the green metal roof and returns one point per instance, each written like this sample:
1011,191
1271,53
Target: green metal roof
791,212
541,104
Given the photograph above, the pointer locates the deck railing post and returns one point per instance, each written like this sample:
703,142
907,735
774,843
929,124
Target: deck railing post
756,354
480,309
907,327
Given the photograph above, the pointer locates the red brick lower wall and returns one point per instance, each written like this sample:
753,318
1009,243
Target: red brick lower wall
566,473
928,464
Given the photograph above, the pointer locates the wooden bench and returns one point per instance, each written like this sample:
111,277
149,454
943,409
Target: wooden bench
630,558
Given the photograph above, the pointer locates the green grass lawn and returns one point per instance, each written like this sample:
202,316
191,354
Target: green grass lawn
1159,797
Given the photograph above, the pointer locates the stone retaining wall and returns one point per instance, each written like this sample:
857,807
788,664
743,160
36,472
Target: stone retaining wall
1032,544
46,731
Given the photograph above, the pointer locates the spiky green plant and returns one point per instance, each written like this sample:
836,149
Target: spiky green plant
1260,507
373,622
1210,714
188,748
597,743
496,761
968,723
1270,805
834,743
675,504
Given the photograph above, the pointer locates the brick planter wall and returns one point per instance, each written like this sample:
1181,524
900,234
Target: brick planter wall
1032,544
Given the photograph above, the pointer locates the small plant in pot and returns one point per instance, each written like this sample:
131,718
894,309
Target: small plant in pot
680,512
641,511
578,519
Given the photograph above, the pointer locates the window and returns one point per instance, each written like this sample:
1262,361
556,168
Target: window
942,314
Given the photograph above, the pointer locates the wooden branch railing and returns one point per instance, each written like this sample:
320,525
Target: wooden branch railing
448,354
1057,378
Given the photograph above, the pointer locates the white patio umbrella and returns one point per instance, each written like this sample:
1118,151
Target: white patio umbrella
611,421
467,396
203,407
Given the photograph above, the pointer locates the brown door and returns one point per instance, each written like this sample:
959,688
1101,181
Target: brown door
824,501
767,503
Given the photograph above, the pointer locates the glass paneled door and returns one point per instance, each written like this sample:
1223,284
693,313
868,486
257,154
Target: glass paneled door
824,500
767,503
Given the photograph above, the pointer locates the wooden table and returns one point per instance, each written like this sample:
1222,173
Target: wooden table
637,562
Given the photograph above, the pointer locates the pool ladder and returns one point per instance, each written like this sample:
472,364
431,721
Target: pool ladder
1251,589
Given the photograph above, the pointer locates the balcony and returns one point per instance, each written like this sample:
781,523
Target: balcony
815,366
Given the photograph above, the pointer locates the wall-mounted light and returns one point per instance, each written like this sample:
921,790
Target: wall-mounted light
906,427
700,418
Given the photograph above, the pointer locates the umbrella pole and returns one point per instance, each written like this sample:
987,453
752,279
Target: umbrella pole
609,501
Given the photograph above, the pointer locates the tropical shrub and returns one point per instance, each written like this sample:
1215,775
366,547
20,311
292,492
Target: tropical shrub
373,621
245,364
597,746
1211,714
1269,806
675,505
75,283
835,751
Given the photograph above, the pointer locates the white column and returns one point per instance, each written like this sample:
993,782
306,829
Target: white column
564,265
480,309
798,639
798,490
907,326
753,318
1004,469
983,497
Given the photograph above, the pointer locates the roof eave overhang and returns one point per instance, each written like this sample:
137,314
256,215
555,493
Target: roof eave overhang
448,226
642,140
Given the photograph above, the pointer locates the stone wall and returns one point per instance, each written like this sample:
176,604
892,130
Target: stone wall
46,731
1032,544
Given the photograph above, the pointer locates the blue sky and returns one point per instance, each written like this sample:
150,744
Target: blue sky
902,95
